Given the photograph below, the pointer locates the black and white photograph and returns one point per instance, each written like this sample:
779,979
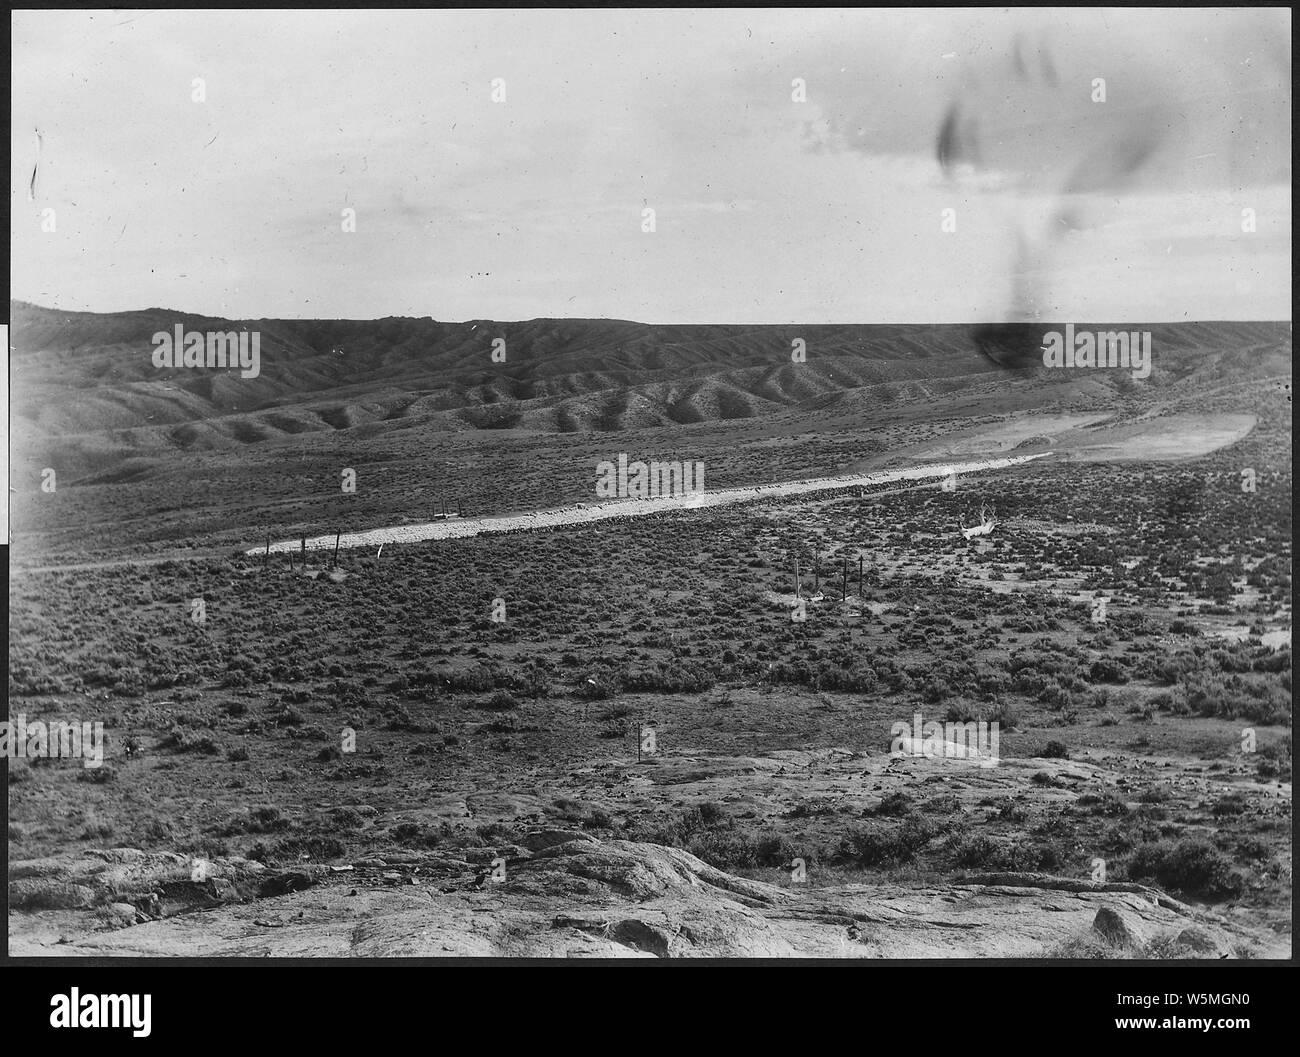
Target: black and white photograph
559,484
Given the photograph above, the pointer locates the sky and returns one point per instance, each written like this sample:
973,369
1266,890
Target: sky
791,159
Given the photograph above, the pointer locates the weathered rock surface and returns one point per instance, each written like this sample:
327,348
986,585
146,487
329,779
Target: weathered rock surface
574,896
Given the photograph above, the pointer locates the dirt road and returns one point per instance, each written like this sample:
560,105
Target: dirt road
457,528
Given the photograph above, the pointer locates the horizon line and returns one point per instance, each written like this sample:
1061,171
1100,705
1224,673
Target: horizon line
620,319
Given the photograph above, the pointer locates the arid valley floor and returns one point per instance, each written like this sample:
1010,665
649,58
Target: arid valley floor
496,800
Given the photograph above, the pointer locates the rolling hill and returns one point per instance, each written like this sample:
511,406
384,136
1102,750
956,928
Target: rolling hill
78,374
156,456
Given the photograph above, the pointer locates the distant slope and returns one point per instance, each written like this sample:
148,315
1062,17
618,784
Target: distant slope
86,381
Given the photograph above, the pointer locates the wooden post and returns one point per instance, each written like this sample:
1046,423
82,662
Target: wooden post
860,594
291,561
304,554
797,592
337,536
266,558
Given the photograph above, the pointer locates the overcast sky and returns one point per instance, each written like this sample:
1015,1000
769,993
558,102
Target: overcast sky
767,209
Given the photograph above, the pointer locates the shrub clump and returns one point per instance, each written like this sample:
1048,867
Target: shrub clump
1193,865
881,847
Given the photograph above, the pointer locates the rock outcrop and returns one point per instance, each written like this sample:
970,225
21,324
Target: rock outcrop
565,894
